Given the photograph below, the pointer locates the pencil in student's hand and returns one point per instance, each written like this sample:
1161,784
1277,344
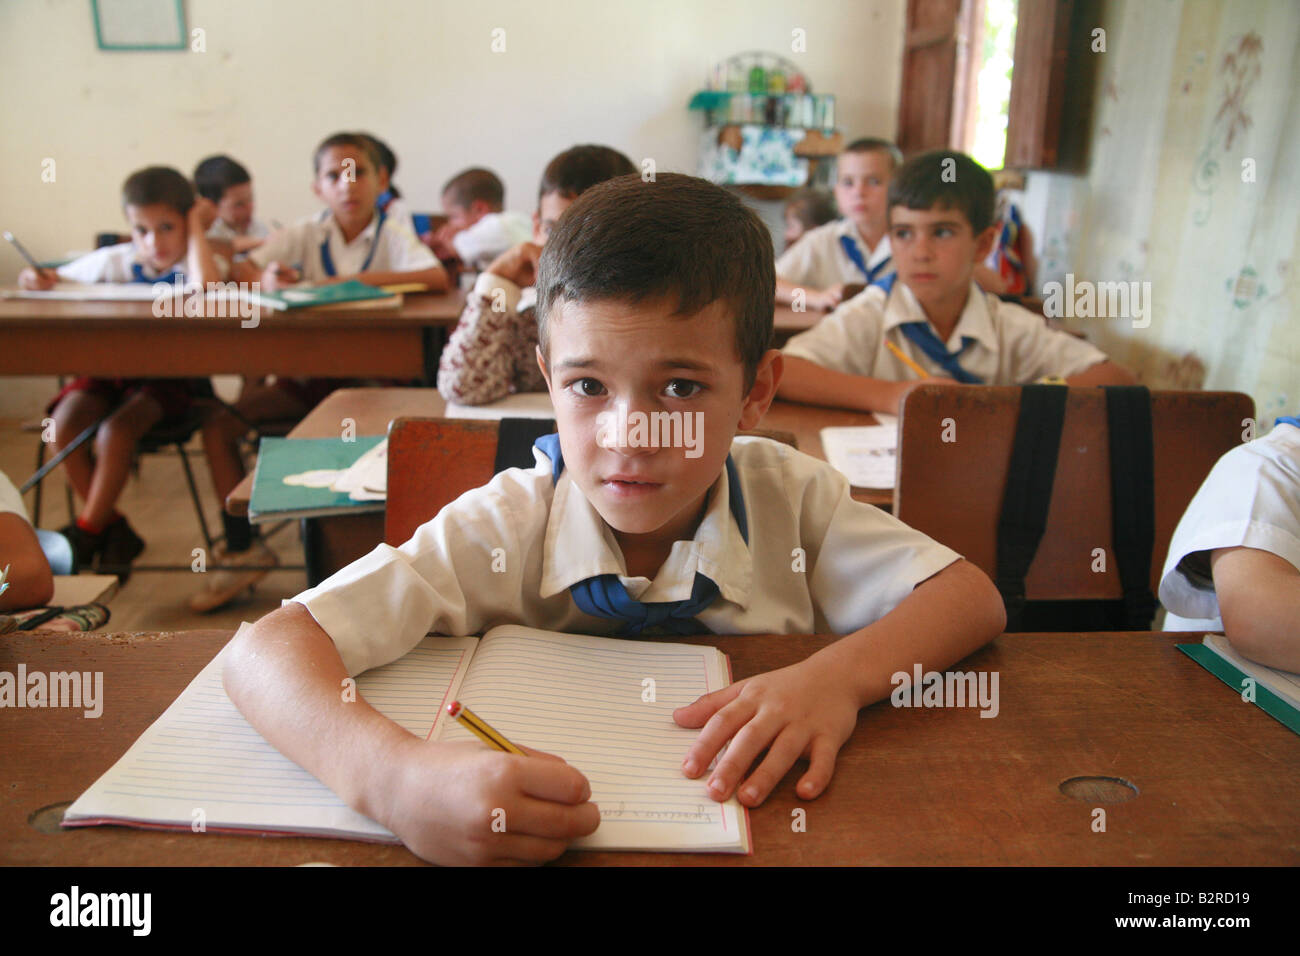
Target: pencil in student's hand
905,360
23,252
476,724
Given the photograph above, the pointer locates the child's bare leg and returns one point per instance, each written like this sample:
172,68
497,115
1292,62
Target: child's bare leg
73,415
114,446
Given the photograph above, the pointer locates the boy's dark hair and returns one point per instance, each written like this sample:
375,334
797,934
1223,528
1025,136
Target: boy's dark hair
473,184
812,207
577,169
873,144
949,180
387,160
356,140
676,236
158,185
216,174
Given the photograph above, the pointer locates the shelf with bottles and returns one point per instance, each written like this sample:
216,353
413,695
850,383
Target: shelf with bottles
764,89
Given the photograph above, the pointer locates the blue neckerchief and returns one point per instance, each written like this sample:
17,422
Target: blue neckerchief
384,198
327,261
137,274
604,594
922,336
855,256
1288,420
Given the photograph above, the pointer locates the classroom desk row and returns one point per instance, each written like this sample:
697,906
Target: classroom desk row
1185,772
125,339
334,542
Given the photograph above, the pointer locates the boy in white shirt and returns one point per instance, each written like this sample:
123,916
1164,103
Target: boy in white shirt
168,244
852,251
1234,560
229,187
931,309
353,241
492,352
477,229
615,532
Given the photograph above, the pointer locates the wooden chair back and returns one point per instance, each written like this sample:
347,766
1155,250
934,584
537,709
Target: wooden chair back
952,489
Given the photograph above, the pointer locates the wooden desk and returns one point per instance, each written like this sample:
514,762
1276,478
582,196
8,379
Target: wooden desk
1217,779
806,423
787,323
51,337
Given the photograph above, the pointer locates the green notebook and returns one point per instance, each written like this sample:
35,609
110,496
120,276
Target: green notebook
340,293
279,458
1277,692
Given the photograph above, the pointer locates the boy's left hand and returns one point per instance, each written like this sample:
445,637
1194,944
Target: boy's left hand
806,710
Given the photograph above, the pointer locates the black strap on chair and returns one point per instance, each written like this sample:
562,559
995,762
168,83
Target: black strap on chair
1028,492
1133,499
515,437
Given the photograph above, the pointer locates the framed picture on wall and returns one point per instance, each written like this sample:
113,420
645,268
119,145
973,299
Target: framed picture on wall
139,24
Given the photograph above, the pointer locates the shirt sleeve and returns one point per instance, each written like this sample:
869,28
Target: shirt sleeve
1036,350
862,562
796,263
478,362
405,251
102,265
1250,499
446,579
283,246
847,339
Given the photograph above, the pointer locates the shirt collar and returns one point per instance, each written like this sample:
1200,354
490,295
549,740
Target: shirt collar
975,321
335,232
846,227
579,545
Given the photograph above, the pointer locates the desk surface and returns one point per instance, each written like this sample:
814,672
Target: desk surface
125,339
74,589
374,408
1217,778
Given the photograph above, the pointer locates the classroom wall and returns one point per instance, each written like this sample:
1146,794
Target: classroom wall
1187,91
276,77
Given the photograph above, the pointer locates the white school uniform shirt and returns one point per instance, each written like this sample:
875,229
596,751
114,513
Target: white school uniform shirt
398,209
492,235
818,259
112,264
1251,499
220,229
508,552
399,250
1012,346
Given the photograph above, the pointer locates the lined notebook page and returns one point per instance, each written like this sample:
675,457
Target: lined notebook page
581,698
201,754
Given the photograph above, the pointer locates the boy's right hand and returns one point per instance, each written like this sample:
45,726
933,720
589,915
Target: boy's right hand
518,264
463,803
901,389
276,276
37,280
827,299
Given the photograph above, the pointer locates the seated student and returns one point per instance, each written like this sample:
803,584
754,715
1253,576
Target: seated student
703,535
493,350
30,582
932,310
805,211
389,201
477,229
226,184
854,250
168,230
1234,560
355,241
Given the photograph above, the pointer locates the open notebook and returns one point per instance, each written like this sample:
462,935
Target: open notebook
867,455
575,696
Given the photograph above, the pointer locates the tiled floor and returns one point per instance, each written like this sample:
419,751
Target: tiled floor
157,503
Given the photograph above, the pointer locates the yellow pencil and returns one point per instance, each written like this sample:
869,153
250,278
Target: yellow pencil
474,723
905,360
